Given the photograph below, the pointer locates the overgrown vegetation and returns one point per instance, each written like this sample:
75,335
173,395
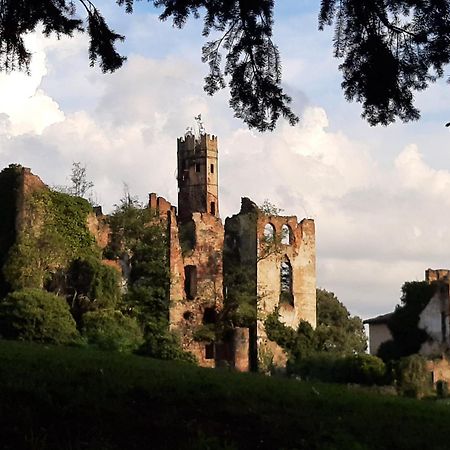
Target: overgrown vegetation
403,324
413,378
53,233
9,180
140,241
36,315
111,330
334,351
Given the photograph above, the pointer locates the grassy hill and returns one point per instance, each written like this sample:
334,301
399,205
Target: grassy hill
68,398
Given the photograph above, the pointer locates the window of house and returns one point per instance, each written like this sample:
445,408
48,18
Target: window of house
190,281
286,291
213,208
197,167
212,168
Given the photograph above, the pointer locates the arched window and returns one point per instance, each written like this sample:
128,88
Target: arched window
286,235
269,232
286,293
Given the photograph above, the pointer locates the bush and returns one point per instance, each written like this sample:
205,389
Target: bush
36,315
162,344
111,330
413,378
89,277
361,369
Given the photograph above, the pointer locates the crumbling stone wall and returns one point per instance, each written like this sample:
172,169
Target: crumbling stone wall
264,256
201,304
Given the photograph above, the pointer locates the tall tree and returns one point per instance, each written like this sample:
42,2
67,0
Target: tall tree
337,331
389,49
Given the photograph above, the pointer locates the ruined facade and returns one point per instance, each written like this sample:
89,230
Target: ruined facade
224,280
211,265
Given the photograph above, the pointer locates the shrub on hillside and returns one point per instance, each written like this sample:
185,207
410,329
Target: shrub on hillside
413,378
35,315
111,330
162,344
361,369
91,285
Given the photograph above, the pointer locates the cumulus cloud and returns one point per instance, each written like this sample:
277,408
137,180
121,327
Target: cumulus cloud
377,224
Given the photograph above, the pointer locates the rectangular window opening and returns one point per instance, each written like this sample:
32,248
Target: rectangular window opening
213,208
212,168
197,167
190,282
209,351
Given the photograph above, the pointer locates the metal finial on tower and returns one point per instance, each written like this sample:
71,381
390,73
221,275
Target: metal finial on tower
201,128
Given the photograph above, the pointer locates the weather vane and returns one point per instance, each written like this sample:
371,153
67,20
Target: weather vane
201,128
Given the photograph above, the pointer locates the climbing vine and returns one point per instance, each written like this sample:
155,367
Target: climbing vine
52,233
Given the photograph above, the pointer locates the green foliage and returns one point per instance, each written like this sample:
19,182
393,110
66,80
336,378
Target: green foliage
337,331
361,369
141,237
62,18
187,236
111,330
297,344
334,351
413,378
241,304
8,209
162,344
407,337
269,209
118,401
54,232
389,50
35,315
205,333
91,285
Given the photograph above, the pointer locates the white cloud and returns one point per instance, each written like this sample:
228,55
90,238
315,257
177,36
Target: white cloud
377,224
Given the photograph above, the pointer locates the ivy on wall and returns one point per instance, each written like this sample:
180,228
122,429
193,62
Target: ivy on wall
53,233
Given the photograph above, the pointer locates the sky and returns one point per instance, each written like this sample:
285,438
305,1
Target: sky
380,196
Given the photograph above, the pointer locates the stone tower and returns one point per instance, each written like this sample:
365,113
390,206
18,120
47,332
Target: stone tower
197,175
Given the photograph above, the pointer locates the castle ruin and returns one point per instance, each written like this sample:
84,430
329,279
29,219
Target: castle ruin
258,257
224,279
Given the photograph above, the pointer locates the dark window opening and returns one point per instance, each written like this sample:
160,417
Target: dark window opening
209,351
190,282
213,208
209,316
187,315
286,293
197,167
212,168
444,326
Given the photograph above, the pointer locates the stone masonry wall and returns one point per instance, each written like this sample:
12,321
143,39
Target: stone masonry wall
188,314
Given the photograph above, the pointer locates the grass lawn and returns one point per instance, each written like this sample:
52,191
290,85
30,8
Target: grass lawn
69,398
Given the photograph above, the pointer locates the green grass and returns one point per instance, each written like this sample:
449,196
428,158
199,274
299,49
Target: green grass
69,398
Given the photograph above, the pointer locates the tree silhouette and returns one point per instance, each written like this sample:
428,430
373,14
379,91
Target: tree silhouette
389,49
